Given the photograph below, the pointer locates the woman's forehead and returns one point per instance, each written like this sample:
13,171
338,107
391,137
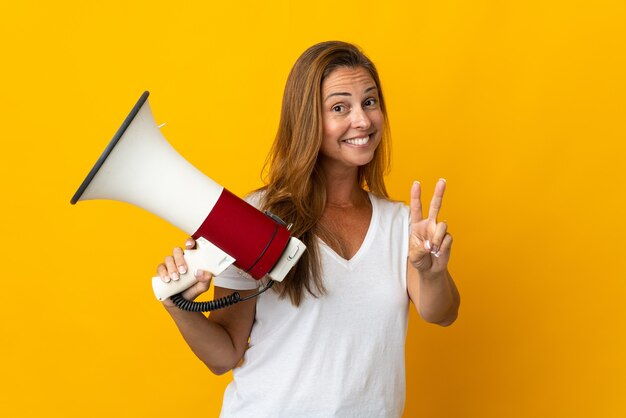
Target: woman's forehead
348,77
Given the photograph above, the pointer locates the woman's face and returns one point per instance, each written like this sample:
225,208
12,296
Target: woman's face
351,117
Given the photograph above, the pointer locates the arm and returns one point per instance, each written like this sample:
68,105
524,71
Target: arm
429,284
221,339
436,298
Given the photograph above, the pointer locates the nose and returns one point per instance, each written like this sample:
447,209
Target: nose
360,119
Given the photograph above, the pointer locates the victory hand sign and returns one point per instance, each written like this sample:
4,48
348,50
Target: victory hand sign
429,248
430,286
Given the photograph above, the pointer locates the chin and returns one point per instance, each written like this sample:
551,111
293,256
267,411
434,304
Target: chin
363,162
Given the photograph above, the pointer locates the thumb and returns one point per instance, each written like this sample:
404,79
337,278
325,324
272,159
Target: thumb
419,253
204,283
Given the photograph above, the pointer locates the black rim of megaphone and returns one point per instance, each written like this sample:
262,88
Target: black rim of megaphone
109,148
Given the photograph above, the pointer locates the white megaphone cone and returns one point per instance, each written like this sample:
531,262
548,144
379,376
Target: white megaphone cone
140,167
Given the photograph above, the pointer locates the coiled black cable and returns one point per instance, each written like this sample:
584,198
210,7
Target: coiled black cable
212,305
206,306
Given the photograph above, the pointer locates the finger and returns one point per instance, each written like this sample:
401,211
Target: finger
435,203
203,276
418,247
198,288
440,232
419,253
162,272
446,244
416,203
172,271
179,260
444,251
190,243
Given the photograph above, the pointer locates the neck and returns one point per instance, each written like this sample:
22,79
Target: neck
343,190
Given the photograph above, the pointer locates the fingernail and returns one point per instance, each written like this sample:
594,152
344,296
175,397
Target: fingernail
445,181
427,245
167,279
435,249
198,273
189,243
436,254
182,269
174,276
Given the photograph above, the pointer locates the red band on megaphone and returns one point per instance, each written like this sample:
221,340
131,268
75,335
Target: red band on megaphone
253,239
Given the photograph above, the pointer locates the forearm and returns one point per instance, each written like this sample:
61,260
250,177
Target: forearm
438,298
209,340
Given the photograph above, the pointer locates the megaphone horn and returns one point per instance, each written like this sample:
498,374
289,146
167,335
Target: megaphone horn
140,167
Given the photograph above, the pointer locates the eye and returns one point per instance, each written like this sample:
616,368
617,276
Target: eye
338,108
371,102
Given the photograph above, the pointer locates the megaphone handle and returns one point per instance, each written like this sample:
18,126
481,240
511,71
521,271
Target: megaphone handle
164,290
206,257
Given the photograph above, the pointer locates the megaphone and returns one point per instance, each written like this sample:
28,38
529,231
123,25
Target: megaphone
140,167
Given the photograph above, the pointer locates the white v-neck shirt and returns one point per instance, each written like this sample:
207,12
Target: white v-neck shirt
339,355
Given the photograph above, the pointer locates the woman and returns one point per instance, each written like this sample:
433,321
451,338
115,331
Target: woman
329,340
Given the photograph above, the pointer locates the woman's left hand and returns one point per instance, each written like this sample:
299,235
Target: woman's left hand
429,242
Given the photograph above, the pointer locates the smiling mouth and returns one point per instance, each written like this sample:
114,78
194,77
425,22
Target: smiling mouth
357,141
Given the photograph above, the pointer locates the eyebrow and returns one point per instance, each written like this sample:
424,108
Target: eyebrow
342,93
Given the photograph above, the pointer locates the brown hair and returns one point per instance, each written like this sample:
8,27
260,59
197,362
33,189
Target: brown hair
295,186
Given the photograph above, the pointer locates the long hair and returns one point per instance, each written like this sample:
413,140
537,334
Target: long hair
295,186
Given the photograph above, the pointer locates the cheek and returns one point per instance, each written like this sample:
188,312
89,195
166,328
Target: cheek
378,120
332,131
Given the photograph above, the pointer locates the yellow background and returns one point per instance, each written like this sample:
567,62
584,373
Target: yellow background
519,104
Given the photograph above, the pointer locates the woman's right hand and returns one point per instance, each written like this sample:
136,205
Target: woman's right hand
174,265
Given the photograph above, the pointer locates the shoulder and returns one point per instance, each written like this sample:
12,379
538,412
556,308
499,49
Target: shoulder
255,198
388,207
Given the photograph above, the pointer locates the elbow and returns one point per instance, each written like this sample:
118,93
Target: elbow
443,322
438,319
224,367
218,371
441,315
447,321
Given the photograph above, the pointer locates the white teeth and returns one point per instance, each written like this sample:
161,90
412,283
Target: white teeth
357,141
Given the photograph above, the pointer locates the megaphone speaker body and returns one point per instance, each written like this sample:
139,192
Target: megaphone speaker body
140,167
